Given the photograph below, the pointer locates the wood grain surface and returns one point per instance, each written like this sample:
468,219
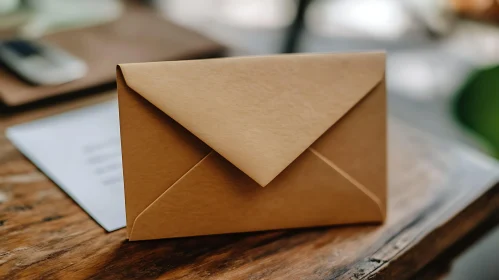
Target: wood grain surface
438,193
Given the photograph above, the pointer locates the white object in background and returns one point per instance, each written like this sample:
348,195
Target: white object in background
80,151
41,63
55,15
473,41
383,19
257,13
425,74
191,13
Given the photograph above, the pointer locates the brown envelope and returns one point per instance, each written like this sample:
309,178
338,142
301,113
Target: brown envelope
253,143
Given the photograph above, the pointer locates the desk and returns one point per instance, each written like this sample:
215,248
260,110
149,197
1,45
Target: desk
439,192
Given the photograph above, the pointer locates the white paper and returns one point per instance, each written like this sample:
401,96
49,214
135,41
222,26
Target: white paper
80,151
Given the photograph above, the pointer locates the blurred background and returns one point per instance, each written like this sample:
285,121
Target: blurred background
442,64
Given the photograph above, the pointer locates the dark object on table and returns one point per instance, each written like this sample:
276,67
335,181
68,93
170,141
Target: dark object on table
477,9
477,106
296,28
39,63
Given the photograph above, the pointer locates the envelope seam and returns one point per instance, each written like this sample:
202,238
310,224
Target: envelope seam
171,186
352,180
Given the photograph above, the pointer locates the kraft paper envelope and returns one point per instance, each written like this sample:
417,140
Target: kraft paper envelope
253,143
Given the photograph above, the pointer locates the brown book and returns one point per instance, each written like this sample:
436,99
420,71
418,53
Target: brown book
140,35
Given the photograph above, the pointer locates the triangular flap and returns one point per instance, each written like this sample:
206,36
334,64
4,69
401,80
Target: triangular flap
216,198
260,113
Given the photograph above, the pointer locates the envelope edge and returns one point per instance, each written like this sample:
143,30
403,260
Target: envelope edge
378,80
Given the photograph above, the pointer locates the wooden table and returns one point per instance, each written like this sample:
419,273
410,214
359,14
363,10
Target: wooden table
439,192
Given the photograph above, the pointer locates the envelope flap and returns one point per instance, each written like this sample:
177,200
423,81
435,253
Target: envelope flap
260,113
